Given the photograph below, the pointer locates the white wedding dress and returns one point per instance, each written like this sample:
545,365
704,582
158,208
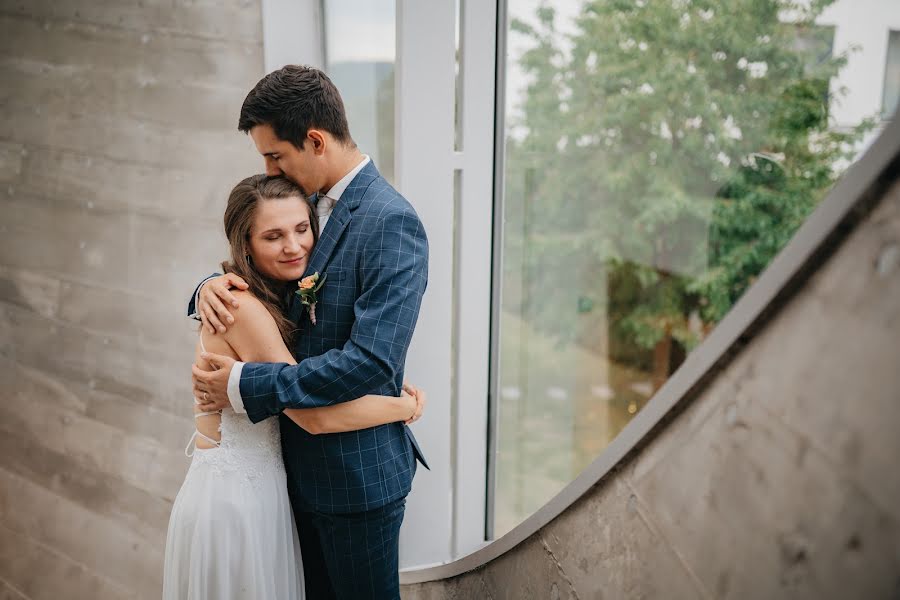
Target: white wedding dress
231,532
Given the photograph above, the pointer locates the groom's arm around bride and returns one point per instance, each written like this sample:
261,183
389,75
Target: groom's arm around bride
391,277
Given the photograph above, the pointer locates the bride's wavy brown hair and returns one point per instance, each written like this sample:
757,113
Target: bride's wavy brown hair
239,215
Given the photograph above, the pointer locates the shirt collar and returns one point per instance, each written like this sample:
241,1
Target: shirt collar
338,189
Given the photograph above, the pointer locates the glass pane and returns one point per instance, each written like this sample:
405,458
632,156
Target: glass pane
360,49
658,154
892,76
457,67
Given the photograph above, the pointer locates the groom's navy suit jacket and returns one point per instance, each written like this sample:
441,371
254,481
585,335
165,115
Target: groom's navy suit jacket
375,254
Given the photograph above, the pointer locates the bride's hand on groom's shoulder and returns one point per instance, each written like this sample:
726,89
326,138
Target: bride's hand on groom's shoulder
421,398
215,295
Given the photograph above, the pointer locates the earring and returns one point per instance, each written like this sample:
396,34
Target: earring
249,259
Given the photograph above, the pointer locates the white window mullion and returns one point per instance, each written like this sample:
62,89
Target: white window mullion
451,348
424,175
475,224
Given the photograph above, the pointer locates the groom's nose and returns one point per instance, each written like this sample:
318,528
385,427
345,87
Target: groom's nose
272,169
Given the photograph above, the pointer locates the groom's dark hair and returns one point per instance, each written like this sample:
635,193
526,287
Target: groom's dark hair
293,100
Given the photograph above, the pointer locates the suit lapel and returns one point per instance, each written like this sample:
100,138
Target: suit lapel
340,218
295,308
328,239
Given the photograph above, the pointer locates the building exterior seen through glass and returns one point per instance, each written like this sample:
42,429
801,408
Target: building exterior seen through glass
658,155
892,76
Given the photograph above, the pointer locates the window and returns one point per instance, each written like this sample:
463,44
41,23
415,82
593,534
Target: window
360,48
657,157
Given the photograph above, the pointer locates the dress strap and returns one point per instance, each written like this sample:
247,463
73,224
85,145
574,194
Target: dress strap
189,450
207,414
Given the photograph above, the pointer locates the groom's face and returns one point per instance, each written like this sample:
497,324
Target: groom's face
284,158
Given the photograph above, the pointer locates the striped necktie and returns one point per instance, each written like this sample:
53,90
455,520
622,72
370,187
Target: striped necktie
324,206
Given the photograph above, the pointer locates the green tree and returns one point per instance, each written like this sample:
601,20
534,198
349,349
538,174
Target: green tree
666,151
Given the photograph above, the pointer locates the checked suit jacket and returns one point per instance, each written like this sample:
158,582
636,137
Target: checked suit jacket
375,254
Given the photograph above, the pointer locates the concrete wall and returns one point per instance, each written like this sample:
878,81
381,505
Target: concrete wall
780,480
118,145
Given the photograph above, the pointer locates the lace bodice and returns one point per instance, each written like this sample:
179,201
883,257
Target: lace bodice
254,450
241,434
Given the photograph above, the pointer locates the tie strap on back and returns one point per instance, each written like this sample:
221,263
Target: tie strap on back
189,450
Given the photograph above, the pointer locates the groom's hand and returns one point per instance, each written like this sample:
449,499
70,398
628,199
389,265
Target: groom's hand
421,399
214,297
211,387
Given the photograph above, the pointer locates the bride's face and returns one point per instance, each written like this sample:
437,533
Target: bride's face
281,238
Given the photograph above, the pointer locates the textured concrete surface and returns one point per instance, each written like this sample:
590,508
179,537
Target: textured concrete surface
118,145
779,480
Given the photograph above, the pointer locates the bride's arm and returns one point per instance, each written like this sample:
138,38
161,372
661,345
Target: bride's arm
369,411
255,338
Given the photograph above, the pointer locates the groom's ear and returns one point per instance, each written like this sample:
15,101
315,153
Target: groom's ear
318,140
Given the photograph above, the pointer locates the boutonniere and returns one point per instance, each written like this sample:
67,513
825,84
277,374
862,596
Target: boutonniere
307,292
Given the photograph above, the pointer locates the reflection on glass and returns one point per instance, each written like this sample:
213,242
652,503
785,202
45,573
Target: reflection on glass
360,49
458,104
659,153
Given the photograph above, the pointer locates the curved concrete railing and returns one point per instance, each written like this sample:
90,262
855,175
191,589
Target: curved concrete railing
868,178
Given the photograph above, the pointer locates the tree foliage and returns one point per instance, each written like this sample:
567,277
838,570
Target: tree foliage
664,152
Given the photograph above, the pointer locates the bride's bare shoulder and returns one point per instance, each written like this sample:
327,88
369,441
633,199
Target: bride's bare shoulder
249,306
254,335
245,297
252,328
250,313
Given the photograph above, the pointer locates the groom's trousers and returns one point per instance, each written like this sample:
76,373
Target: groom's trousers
351,556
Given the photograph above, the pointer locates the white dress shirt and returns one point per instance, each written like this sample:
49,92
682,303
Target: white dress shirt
324,207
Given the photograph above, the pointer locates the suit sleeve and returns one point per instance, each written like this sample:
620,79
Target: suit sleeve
195,299
394,273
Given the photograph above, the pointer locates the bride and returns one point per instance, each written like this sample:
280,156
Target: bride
231,532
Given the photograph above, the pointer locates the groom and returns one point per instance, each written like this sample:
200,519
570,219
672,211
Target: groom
348,490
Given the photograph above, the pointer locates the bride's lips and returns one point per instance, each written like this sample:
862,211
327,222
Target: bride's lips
292,262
